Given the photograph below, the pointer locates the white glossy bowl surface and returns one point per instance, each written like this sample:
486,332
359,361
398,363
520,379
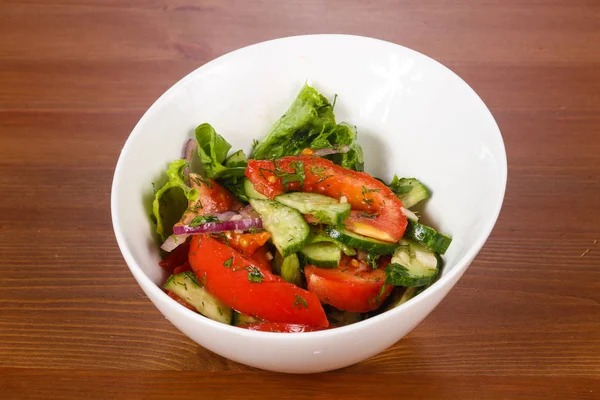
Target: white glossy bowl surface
414,117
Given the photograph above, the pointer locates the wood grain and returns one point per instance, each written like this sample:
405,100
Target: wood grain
75,76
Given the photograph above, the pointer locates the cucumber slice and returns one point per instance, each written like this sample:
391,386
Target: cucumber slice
322,254
428,237
412,265
251,192
288,268
357,241
326,210
401,295
409,190
240,319
317,237
186,286
288,229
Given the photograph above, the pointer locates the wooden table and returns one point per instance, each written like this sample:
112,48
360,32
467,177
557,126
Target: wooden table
75,76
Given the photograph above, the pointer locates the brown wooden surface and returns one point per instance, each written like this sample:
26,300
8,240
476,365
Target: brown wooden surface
75,76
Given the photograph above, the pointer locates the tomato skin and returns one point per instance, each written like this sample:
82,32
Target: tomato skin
177,257
182,268
377,212
272,299
262,259
280,327
247,243
214,197
348,288
181,301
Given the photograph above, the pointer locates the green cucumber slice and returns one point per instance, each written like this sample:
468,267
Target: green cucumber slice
409,190
240,319
326,210
357,241
322,254
317,237
288,268
288,229
428,237
412,265
186,286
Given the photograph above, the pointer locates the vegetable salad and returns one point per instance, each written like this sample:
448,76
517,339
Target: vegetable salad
296,237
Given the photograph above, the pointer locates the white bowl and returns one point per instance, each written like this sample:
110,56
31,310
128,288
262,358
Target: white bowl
414,116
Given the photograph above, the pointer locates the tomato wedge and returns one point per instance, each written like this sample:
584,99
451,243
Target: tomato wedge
182,268
279,327
349,288
177,257
239,282
212,199
377,212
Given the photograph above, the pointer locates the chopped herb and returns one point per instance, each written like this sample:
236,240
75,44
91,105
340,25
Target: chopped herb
254,275
192,278
317,170
367,215
253,230
201,181
203,219
227,263
372,260
368,201
219,310
196,206
323,179
366,190
297,176
254,143
300,302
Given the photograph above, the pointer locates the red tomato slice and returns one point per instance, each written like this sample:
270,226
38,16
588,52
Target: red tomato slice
182,268
247,243
212,199
261,257
279,327
240,283
348,288
377,212
181,301
177,257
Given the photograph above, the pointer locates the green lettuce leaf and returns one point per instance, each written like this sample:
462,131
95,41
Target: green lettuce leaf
171,200
342,134
310,123
213,149
309,115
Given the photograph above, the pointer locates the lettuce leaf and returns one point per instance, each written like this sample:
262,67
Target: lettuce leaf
342,134
213,149
309,115
171,200
310,123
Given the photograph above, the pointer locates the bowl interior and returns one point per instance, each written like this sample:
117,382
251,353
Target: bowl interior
414,118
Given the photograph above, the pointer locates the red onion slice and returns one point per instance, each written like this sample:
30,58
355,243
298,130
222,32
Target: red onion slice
332,150
172,242
212,227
